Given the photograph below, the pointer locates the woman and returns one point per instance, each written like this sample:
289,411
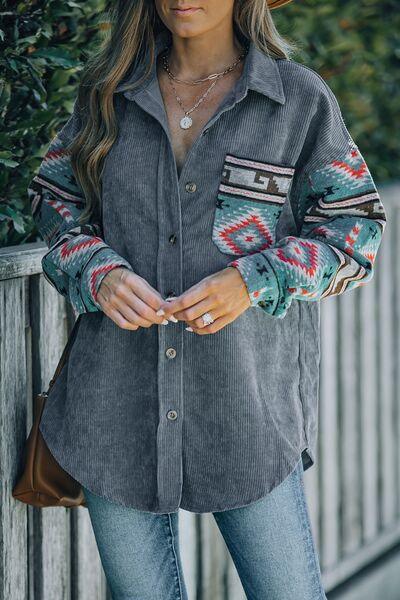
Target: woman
202,198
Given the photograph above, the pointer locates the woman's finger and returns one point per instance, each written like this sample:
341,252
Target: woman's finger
121,308
119,289
195,294
218,324
144,291
125,296
131,314
193,315
118,318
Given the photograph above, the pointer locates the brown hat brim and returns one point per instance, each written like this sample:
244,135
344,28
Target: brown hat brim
276,3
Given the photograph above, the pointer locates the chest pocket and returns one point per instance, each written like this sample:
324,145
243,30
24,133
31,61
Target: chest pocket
250,199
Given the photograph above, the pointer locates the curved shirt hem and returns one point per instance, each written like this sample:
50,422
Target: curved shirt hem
307,462
291,467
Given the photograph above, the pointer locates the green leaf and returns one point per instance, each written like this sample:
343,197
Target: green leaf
55,56
8,163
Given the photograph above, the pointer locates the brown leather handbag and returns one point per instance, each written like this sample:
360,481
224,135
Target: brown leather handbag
43,481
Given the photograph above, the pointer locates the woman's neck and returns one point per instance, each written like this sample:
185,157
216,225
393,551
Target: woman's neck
199,56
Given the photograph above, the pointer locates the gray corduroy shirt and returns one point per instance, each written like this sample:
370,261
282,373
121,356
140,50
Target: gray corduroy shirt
161,418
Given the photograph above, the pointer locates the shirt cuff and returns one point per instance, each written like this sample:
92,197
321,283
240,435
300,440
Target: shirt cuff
260,279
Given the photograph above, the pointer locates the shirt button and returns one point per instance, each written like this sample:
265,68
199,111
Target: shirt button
172,415
172,238
170,352
190,187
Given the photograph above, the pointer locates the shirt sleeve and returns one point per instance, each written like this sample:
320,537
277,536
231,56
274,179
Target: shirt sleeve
78,258
339,216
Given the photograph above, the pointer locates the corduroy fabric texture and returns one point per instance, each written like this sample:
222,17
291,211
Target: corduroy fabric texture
301,218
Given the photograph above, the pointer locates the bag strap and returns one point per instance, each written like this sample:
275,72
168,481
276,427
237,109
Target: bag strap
65,353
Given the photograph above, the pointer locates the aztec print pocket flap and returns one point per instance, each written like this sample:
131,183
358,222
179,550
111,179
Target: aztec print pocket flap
250,199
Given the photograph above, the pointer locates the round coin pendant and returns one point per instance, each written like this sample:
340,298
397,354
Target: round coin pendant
186,122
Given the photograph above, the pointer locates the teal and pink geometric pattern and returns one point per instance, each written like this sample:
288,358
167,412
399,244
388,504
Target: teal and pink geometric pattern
250,198
78,258
343,221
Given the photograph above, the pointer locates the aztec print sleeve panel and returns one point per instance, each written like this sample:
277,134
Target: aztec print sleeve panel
78,258
340,221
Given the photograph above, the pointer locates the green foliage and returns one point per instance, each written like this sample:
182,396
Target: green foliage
43,45
354,45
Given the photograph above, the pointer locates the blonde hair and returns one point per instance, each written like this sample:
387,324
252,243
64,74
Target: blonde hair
134,25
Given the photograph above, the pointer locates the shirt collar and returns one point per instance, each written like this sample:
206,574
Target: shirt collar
261,72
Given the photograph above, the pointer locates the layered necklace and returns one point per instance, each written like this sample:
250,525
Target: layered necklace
187,120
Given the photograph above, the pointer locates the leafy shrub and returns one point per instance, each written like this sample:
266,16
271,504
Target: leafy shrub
43,45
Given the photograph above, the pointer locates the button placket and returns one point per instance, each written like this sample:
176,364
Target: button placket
169,430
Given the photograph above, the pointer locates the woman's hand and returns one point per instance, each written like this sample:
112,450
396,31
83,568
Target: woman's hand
224,295
129,300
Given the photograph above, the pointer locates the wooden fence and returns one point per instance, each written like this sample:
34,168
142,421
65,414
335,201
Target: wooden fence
353,490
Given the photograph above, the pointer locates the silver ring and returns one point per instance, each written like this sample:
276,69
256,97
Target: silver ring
207,318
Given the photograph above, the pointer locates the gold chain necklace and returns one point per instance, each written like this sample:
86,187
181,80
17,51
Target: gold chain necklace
187,121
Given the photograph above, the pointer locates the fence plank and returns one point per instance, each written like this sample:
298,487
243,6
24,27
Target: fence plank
18,261
188,548
396,342
13,394
349,424
53,524
88,579
328,436
385,382
369,411
213,558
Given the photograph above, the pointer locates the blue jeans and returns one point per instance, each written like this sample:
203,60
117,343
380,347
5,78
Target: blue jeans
270,542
